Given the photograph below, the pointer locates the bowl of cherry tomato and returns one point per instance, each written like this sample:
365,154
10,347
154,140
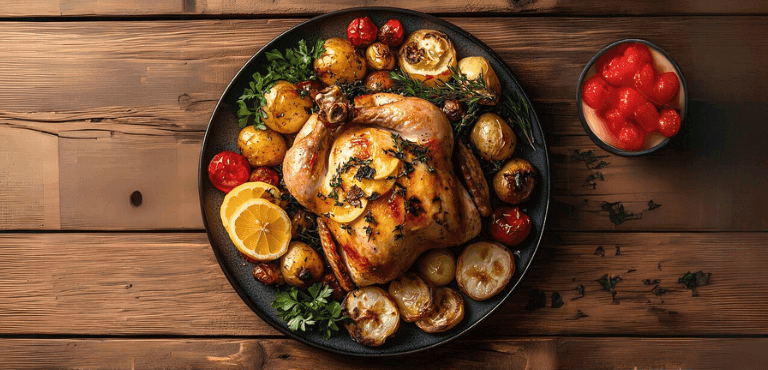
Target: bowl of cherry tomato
631,98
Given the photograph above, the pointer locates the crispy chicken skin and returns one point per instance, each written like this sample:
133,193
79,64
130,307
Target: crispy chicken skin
408,198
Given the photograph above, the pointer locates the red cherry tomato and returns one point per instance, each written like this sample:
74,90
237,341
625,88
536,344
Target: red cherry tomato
597,93
509,225
391,33
362,32
265,174
647,116
227,170
669,122
631,138
615,121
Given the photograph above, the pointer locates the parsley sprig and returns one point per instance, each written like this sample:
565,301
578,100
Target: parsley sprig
307,312
293,66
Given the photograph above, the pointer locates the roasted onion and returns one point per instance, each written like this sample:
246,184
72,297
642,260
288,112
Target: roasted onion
483,269
449,311
414,297
374,314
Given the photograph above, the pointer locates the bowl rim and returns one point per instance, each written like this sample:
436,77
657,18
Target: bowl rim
603,145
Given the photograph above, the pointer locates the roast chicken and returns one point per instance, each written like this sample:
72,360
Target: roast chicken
378,174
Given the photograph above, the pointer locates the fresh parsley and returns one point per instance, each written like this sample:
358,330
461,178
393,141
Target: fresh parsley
308,312
293,66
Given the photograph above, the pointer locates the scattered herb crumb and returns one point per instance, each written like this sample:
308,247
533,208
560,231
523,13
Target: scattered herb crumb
652,205
590,181
580,314
580,291
608,282
696,279
659,266
557,300
600,251
658,290
536,299
618,251
614,299
617,214
651,282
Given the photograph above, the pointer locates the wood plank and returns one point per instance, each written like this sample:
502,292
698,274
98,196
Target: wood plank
89,89
518,353
65,8
171,284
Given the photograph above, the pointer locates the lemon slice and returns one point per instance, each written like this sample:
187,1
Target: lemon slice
260,229
243,193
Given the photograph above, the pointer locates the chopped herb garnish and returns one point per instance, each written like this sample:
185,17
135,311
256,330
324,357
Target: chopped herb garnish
398,232
346,228
693,280
557,300
652,205
608,282
365,172
307,312
616,213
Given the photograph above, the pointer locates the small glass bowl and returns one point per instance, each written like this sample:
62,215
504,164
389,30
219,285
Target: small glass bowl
592,122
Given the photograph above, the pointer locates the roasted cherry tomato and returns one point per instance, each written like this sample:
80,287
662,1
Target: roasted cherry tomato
309,87
391,33
509,225
265,174
362,32
227,170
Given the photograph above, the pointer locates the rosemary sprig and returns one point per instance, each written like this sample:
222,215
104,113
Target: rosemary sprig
514,107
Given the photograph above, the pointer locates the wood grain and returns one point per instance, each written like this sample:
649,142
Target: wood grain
171,284
526,353
88,92
65,8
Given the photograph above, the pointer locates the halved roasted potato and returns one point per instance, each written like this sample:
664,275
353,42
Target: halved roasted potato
374,314
449,311
414,297
483,269
438,266
428,56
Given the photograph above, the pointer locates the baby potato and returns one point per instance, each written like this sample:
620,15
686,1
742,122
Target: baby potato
437,266
286,110
413,296
493,138
261,147
515,182
449,311
428,56
483,269
379,57
301,265
379,81
339,63
374,315
473,67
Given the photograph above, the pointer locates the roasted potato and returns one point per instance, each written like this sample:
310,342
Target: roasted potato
380,57
374,314
379,81
473,68
428,56
515,182
493,138
301,266
286,109
437,266
483,269
414,297
261,147
449,311
339,63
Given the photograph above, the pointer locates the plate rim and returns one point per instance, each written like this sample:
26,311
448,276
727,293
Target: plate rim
203,175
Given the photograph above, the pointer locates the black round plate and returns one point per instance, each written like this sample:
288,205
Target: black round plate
222,135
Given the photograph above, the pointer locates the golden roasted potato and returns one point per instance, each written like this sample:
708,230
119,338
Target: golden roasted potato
379,81
414,297
515,182
449,311
493,138
437,266
374,314
380,57
301,265
339,63
428,55
473,67
286,110
483,269
261,147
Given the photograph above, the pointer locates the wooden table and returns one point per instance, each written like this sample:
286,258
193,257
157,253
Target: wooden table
103,98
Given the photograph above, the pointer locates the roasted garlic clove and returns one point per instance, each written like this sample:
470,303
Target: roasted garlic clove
483,269
374,314
438,266
472,174
414,297
449,311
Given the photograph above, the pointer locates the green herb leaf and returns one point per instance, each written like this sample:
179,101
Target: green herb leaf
307,312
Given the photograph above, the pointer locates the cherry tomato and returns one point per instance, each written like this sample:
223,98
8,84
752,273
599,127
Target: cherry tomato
509,225
362,32
227,170
265,174
391,33
669,122
631,138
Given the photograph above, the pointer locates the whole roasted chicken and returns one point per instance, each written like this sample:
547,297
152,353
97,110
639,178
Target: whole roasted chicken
379,175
